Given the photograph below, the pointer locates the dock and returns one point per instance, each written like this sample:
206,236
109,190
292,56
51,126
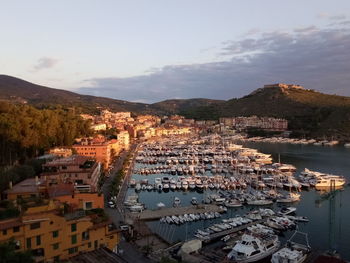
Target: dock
148,215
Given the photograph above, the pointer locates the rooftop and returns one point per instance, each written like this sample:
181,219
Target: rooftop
98,255
29,185
71,160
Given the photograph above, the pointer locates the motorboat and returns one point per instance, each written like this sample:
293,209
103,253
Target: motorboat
289,198
194,201
287,210
292,252
254,247
176,202
260,202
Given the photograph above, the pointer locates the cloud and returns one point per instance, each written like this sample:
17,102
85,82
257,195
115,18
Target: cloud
317,58
45,63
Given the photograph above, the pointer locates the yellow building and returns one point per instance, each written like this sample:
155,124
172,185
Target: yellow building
53,236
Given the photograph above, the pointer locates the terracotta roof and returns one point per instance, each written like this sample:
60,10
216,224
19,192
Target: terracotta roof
9,223
29,185
60,190
71,160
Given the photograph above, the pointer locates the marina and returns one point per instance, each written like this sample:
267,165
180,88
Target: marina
239,186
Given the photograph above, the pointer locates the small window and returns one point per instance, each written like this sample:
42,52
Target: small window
35,225
88,205
56,259
73,250
74,239
38,240
73,227
4,232
16,229
55,234
89,245
55,246
29,243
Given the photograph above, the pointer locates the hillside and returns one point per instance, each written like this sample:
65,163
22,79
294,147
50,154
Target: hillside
20,91
309,113
177,105
17,90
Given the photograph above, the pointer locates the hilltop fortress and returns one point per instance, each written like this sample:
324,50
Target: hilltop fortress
284,86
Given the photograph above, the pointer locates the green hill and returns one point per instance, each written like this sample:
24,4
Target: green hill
309,113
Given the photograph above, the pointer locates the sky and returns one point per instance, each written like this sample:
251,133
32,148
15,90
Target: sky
152,50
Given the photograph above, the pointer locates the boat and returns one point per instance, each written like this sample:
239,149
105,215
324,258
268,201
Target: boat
254,247
233,203
287,210
292,252
160,205
330,180
289,198
260,202
176,202
194,201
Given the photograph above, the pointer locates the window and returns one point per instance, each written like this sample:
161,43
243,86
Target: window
16,229
73,250
29,242
56,259
73,227
55,234
89,244
38,240
85,235
88,205
35,225
4,232
55,246
74,239
96,244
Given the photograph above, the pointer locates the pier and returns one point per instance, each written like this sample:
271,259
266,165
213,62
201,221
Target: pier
159,213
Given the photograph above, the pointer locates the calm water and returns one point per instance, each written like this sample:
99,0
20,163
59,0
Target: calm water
334,160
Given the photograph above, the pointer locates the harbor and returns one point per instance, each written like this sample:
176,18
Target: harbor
245,191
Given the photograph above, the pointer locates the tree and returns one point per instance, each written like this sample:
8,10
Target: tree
8,254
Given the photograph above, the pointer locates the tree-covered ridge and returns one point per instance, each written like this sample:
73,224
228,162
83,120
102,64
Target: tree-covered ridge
26,131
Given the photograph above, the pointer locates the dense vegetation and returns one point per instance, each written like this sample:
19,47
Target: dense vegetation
26,131
310,113
8,254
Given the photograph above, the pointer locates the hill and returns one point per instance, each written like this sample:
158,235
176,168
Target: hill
20,91
177,105
309,113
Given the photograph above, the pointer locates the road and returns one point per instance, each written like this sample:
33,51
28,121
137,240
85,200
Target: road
130,252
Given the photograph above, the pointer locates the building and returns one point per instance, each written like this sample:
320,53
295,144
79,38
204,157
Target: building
61,151
54,235
95,148
99,127
284,86
124,139
81,171
263,123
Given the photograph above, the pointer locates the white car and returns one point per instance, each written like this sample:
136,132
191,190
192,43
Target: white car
111,204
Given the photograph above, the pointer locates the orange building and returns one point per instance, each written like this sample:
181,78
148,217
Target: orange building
84,172
53,235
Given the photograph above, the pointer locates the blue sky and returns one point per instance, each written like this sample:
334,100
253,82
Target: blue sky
151,50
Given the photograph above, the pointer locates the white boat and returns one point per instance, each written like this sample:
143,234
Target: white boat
176,202
293,252
287,210
233,203
252,248
328,180
160,205
260,202
289,198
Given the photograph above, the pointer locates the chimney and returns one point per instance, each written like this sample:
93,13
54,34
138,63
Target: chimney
10,184
36,180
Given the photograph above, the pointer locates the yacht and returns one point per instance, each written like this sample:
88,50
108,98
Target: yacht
254,247
327,181
293,252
